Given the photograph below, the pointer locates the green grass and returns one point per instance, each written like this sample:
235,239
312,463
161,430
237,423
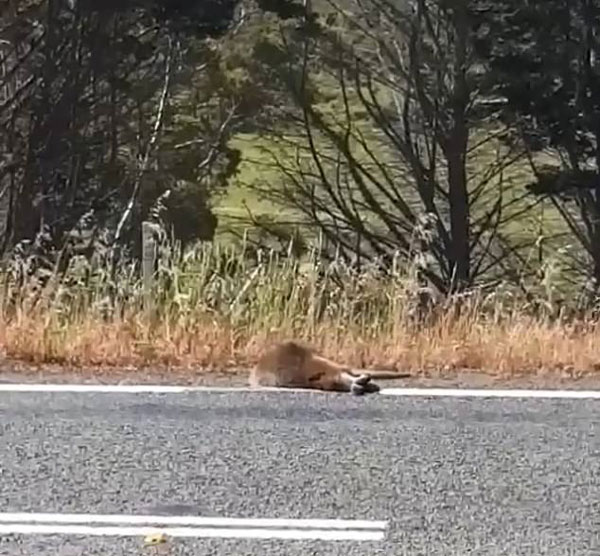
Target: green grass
256,171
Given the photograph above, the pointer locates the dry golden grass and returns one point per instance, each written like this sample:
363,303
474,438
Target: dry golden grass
207,315
518,347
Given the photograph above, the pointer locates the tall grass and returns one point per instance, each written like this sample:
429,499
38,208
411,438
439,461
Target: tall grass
215,307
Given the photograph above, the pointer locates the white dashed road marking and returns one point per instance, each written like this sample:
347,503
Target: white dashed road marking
191,526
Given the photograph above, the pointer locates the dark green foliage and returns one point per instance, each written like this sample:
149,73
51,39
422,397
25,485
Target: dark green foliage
564,182
542,57
202,17
91,93
285,9
190,217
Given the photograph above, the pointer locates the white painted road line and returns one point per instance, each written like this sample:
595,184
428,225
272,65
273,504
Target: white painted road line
106,388
492,393
19,523
198,532
408,392
193,520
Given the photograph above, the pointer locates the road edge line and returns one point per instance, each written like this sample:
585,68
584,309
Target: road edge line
399,392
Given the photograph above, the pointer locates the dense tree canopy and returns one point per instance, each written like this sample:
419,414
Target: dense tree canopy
392,129
108,107
543,59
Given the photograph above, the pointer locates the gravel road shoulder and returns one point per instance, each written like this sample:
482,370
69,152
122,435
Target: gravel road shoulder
17,372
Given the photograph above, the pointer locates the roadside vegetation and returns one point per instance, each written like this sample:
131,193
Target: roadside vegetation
407,188
213,307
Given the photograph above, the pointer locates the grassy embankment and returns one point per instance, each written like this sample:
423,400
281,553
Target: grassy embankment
205,316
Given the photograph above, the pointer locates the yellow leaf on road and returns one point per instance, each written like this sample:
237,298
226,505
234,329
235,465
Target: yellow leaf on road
156,538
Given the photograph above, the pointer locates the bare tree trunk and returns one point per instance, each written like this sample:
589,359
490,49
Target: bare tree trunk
595,231
456,150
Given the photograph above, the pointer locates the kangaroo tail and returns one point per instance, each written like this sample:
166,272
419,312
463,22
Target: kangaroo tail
383,375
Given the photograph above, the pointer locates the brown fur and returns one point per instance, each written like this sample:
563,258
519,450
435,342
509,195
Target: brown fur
290,364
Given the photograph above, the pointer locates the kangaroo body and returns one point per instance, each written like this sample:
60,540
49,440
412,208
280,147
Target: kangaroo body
292,365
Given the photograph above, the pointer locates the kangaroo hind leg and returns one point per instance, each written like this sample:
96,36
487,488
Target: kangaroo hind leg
360,384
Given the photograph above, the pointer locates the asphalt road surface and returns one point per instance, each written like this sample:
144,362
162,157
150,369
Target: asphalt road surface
430,476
